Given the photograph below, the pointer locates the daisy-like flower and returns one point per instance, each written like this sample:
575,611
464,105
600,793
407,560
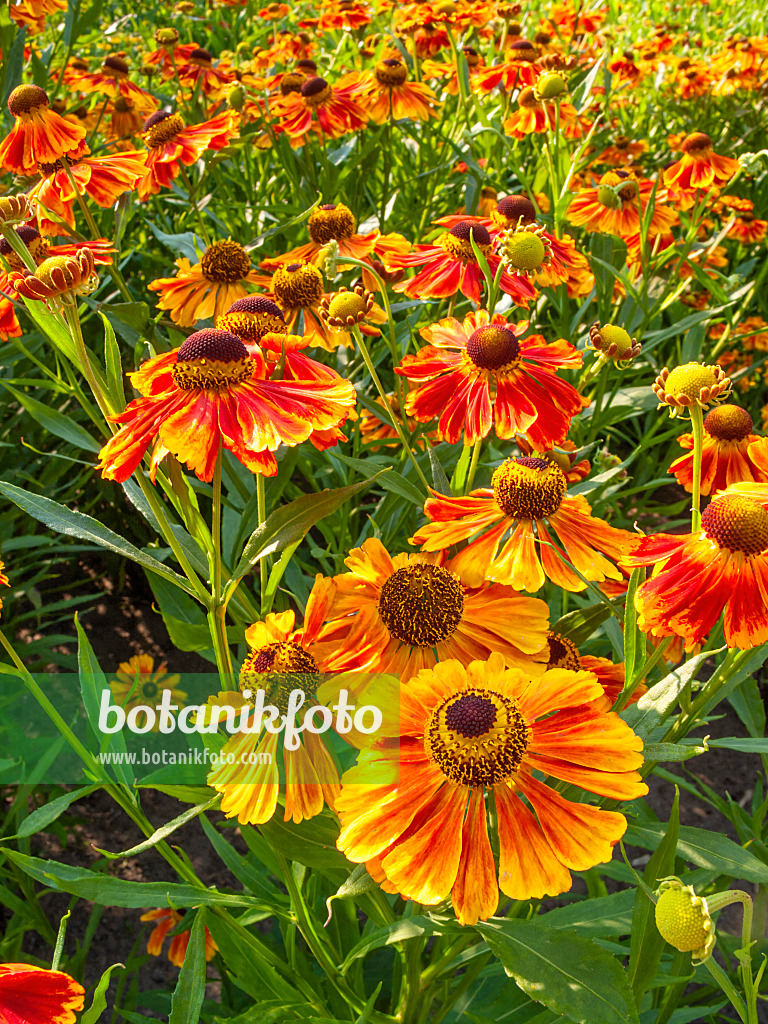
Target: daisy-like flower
731,452
139,682
208,288
562,652
527,498
167,919
479,374
34,995
518,70
386,92
699,167
31,14
319,109
171,142
449,72
450,266
103,179
298,289
617,204
465,731
9,324
199,67
747,229
281,658
335,222
39,135
723,566
208,393
536,116
406,612
112,80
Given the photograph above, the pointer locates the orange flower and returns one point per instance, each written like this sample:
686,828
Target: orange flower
450,266
208,288
9,324
40,135
517,72
170,143
167,919
479,374
405,612
139,683
731,453
209,393
319,109
699,167
386,92
617,204
199,68
563,653
748,230
525,492
112,80
102,178
33,995
724,566
533,115
463,731
281,659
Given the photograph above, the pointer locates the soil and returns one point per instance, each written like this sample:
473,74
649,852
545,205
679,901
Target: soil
123,622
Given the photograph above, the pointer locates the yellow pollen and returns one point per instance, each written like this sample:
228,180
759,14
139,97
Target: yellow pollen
689,380
225,262
277,669
462,248
421,604
346,304
680,922
529,488
477,737
297,285
331,223
523,250
163,131
736,523
728,423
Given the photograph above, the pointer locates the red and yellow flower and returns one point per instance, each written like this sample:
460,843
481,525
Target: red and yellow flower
480,374
34,995
404,612
210,393
39,135
731,453
139,683
617,204
527,499
721,567
413,808
171,142
320,109
386,92
208,288
699,167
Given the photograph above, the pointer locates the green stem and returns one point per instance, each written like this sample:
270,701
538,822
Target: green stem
217,610
697,424
382,395
96,386
724,983
473,465
261,510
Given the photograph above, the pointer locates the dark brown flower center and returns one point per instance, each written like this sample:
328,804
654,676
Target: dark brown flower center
25,98
332,222
492,347
391,72
225,262
421,604
563,653
513,210
210,359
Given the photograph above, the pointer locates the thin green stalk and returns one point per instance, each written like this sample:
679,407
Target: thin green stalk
724,983
217,611
261,509
382,395
96,385
697,424
473,465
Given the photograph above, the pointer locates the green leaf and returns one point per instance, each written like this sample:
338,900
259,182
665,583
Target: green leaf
312,842
567,973
596,918
255,880
54,421
747,702
705,849
289,524
189,993
581,623
673,751
646,945
186,244
99,1002
43,816
113,364
358,883
74,524
654,706
388,935
117,892
390,481
164,831
753,745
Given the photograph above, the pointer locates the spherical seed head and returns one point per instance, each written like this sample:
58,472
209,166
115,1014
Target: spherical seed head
513,210
683,919
550,85
528,488
162,127
563,653
225,262
391,72
736,523
298,285
25,98
421,604
493,346
279,668
315,90
306,65
523,50
688,381
166,36
291,82
610,334
332,222
728,423
466,229
115,64
347,304
211,343
45,271
257,304
523,250
202,55
477,737
697,142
